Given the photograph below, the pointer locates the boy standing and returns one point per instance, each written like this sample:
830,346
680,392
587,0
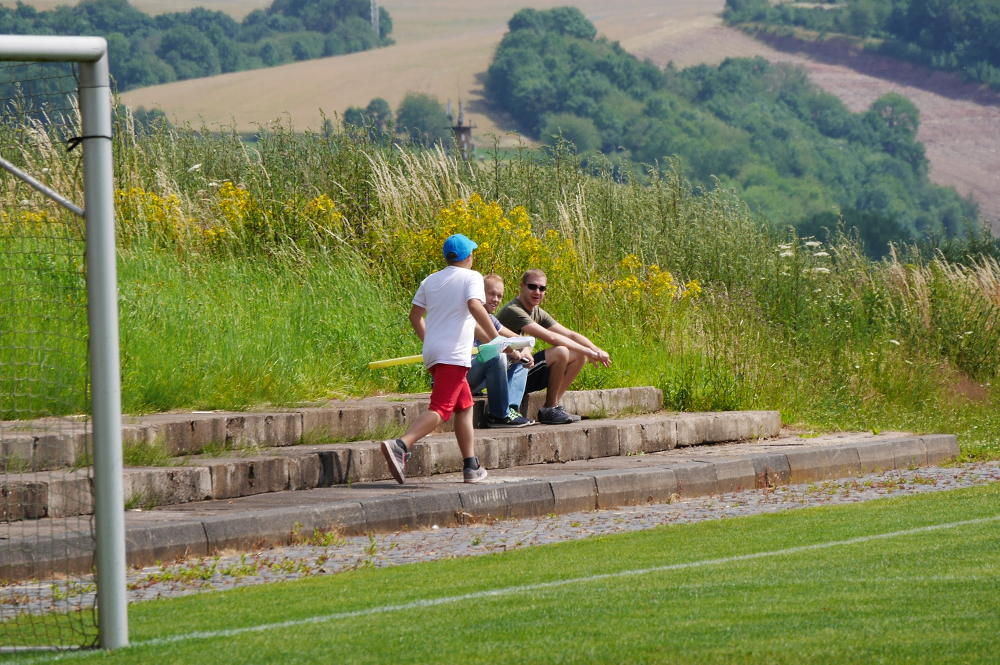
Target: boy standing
453,301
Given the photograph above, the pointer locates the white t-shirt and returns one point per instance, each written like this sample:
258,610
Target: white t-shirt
450,327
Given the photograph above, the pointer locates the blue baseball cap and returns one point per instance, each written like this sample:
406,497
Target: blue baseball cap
458,245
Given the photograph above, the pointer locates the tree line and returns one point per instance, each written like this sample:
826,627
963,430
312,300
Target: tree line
420,119
790,150
147,50
946,34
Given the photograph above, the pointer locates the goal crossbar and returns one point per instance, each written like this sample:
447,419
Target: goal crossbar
94,94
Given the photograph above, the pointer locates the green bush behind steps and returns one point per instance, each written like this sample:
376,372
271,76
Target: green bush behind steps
790,150
274,272
147,50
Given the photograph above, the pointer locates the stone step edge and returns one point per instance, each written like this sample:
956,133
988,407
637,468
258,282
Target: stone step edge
187,433
584,491
308,467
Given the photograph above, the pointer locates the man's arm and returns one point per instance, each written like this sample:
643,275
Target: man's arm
517,354
417,321
560,335
603,357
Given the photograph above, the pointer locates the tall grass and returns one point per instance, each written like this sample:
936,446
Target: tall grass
273,272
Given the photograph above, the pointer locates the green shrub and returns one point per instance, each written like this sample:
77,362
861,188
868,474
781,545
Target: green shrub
422,119
274,272
790,150
581,132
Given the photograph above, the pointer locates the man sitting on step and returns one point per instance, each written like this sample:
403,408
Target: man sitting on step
505,376
555,368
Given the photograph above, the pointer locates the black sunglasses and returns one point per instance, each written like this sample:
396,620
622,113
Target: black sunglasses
536,287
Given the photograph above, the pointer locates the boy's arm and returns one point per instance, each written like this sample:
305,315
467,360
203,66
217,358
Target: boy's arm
485,335
417,321
481,316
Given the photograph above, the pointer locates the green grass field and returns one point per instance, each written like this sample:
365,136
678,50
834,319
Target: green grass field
930,595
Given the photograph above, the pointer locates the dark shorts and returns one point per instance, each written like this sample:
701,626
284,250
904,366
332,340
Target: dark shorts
538,376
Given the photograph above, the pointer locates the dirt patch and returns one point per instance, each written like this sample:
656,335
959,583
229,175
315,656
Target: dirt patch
969,389
443,47
960,123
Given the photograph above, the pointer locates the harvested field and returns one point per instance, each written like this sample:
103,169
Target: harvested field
235,8
444,47
960,123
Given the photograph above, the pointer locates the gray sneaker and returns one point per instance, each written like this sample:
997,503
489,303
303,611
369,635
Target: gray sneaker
395,457
572,416
474,475
553,416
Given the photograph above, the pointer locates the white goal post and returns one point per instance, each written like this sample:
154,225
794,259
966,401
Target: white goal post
91,56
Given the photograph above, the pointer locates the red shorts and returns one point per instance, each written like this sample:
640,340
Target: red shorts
451,391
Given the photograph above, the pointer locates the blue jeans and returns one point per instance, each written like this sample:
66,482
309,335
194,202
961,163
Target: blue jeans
493,376
517,379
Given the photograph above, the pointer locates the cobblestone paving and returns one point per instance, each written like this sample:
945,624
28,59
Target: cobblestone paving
327,554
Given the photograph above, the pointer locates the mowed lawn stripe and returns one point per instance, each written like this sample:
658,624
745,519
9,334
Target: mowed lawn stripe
934,590
523,589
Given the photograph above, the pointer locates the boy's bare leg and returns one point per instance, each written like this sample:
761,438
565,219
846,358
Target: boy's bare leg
463,432
564,366
426,422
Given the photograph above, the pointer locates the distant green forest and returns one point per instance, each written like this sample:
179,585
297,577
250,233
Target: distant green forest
147,50
946,34
790,150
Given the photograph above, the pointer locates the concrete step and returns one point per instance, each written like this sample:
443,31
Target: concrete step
56,443
205,528
306,467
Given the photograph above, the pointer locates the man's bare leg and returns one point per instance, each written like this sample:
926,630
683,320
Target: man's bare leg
426,422
463,432
564,366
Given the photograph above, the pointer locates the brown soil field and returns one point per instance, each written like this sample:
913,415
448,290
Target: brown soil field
960,123
235,8
444,46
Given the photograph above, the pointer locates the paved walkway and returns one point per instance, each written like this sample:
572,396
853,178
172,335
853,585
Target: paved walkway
326,554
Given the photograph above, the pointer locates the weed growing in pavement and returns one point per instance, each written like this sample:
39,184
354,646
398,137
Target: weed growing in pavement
142,500
228,448
921,480
140,453
387,430
318,538
196,570
597,413
289,566
70,589
241,569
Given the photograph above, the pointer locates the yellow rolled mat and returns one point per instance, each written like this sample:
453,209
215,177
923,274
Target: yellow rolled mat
405,360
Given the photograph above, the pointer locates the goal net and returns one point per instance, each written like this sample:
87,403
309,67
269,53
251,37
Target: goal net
52,586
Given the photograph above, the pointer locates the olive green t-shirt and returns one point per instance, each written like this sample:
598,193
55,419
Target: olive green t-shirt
514,316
